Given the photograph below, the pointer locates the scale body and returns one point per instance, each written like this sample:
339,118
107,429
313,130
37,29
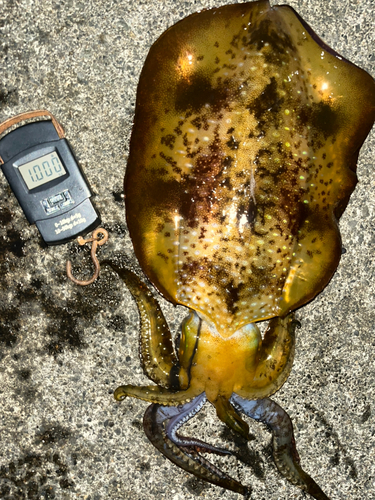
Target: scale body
46,179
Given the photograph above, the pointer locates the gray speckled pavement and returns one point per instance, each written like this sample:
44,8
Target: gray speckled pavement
64,349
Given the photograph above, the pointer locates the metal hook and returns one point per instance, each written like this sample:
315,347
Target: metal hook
95,242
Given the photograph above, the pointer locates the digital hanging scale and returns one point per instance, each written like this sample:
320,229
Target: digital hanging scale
45,177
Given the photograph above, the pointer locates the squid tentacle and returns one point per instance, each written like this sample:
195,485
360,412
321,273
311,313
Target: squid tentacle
186,455
230,417
156,394
155,341
284,449
185,413
275,359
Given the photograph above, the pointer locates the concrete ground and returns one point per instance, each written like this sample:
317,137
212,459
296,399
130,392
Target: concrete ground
64,349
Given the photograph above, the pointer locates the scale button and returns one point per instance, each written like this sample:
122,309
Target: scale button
52,210
68,200
57,198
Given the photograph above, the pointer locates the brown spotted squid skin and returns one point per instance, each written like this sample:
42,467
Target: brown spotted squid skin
242,159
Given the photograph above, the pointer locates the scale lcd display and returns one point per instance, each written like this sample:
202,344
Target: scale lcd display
42,170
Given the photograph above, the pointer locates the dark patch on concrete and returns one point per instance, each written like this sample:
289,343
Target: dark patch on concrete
5,216
116,228
43,36
340,452
65,318
243,453
28,477
24,374
36,284
11,250
52,434
196,486
118,323
8,97
118,196
366,414
9,326
144,466
13,243
63,325
137,424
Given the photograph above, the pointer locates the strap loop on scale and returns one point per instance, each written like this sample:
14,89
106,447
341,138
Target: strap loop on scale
27,116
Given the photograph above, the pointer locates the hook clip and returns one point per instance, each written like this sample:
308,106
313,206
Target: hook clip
95,242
